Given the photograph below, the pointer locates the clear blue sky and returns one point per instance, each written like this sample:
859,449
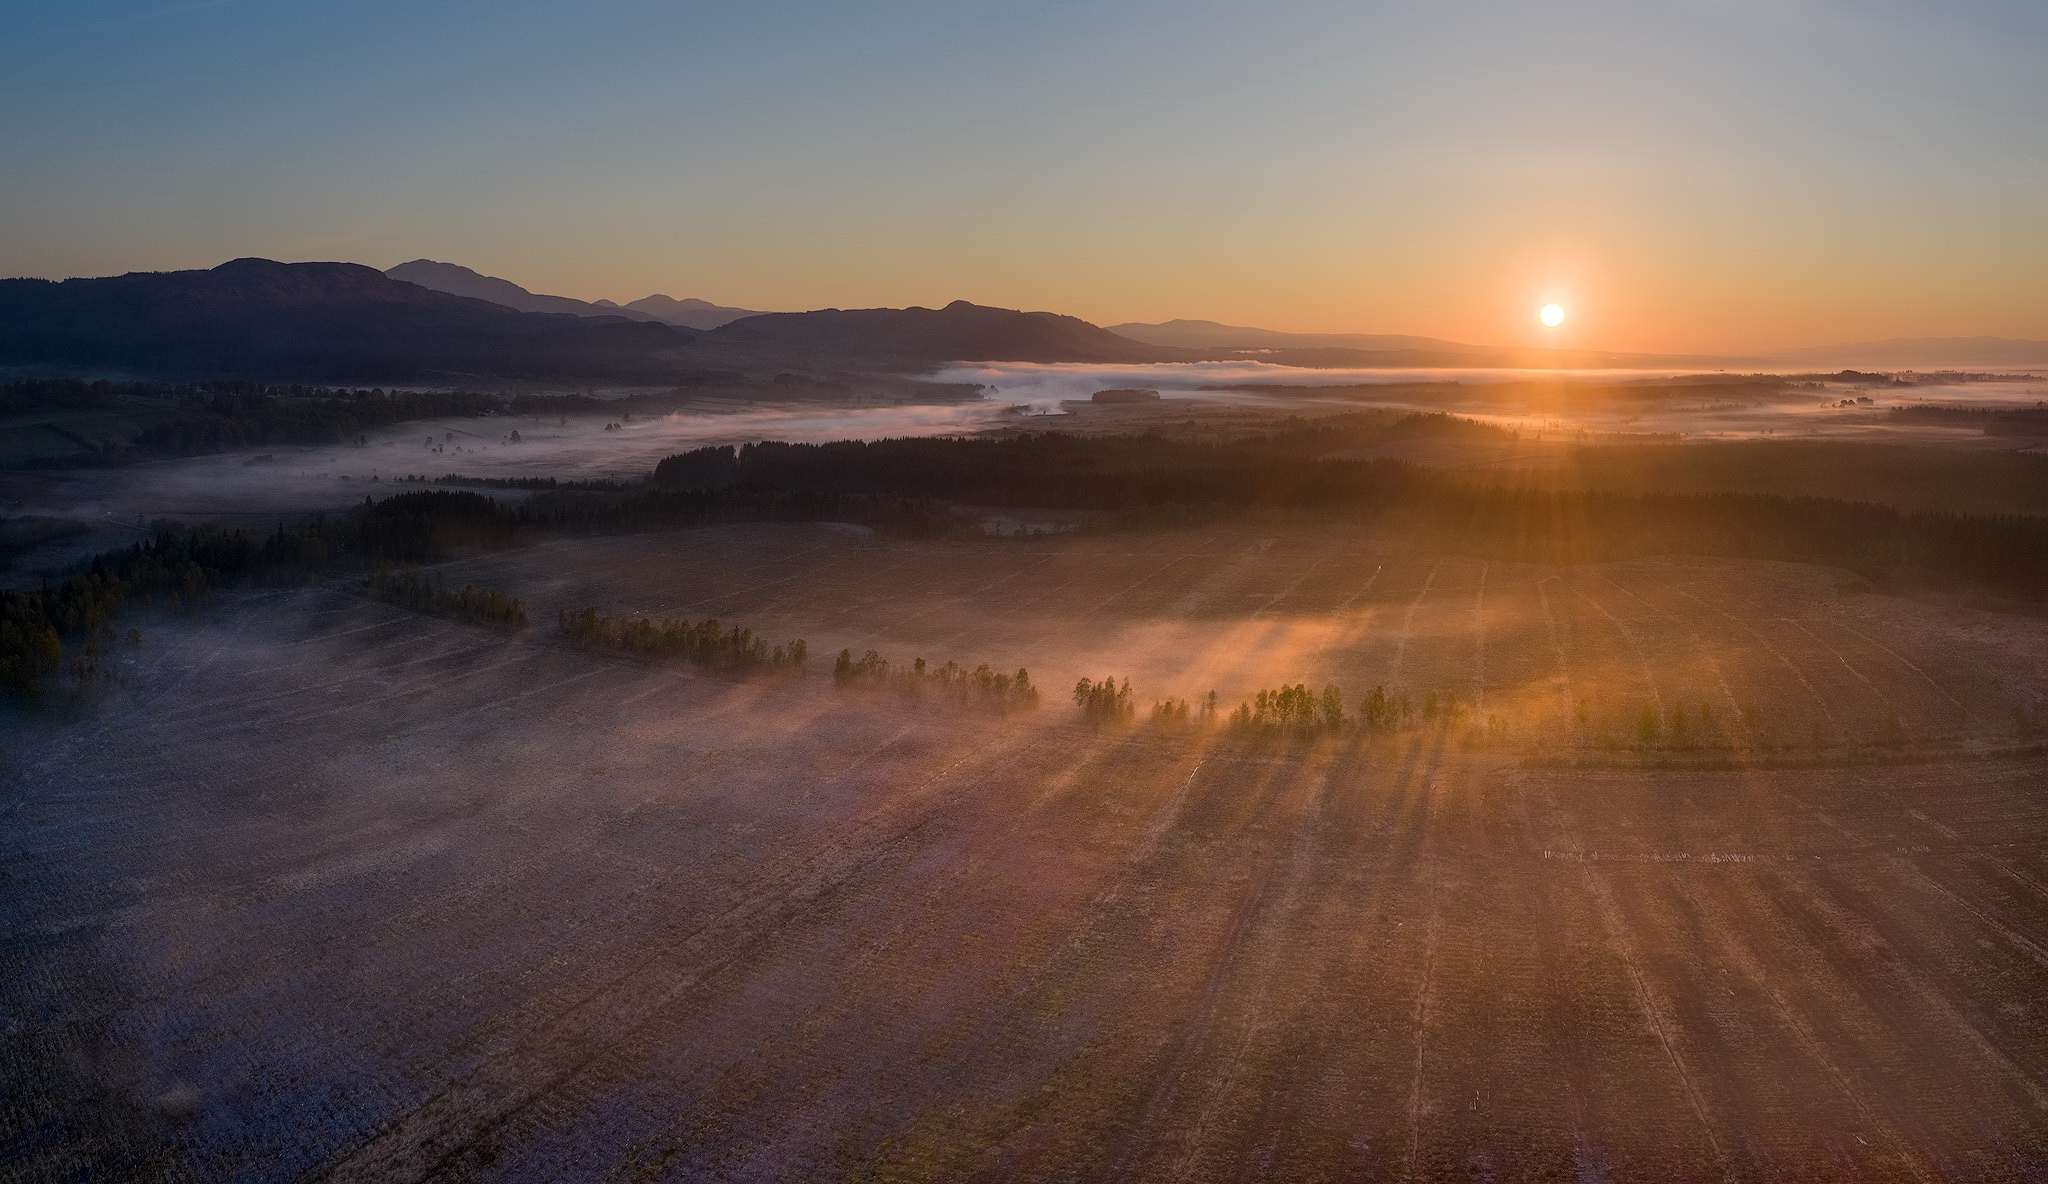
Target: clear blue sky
1703,174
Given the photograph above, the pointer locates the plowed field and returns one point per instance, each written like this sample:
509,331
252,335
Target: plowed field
322,889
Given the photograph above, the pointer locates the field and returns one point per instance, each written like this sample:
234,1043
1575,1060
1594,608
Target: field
324,889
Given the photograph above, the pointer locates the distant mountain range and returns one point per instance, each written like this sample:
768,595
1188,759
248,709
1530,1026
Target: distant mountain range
461,281
960,332
1184,334
690,312
327,322
341,322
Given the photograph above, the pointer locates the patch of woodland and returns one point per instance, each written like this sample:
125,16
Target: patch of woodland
457,480
410,588
1992,421
981,686
1148,481
707,643
180,565
1295,710
1673,734
65,629
1108,702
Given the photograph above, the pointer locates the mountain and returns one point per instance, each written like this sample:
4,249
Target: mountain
1209,335
1925,353
690,313
322,322
461,281
959,332
341,322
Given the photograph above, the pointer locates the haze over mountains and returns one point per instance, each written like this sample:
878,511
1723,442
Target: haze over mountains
325,322
1193,334
343,322
426,322
461,281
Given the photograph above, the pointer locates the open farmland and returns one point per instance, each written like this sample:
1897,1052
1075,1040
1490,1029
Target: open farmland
323,889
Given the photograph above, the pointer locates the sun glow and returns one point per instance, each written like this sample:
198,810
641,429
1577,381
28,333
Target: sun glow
1552,315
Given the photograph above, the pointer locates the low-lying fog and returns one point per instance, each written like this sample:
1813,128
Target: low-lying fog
1501,396
255,487
1043,385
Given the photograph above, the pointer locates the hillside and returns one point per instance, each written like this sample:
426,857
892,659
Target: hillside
960,332
312,321
690,313
1210,335
461,281
457,280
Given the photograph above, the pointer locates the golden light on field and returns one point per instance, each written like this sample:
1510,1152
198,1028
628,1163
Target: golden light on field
1552,315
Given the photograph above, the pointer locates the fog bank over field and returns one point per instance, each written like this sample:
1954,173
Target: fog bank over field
1689,403
1042,385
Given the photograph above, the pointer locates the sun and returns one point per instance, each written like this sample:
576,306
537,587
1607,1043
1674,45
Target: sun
1552,315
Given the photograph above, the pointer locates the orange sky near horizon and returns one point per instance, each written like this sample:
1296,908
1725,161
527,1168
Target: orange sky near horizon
1686,176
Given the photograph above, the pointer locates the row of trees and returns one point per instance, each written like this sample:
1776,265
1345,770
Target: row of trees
180,566
1294,709
707,642
1106,701
409,587
983,684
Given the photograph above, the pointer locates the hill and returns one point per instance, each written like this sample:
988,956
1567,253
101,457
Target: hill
327,322
1210,335
959,332
342,322
690,313
461,281
457,280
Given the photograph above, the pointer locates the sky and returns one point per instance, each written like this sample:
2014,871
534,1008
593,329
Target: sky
1681,175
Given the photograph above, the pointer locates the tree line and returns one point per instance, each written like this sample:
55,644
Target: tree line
1150,480
1992,421
982,685
707,643
408,587
1106,701
180,566
189,418
1293,709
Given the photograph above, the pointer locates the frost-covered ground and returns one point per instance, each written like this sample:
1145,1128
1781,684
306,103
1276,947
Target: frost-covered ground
321,889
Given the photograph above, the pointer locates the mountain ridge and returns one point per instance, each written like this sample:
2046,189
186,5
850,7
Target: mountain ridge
258,318
959,332
457,280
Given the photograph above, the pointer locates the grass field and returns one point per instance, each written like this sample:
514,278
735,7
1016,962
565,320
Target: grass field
321,889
